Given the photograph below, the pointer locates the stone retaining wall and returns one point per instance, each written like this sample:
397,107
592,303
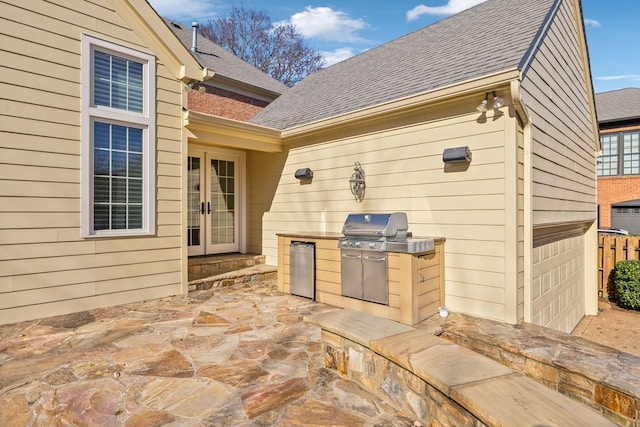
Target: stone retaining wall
437,382
400,388
598,376
207,266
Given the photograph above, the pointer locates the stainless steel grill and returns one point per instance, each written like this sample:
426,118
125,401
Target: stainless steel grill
373,231
363,258
363,252
388,232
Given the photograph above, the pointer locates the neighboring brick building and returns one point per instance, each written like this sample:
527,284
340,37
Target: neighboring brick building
237,90
225,103
619,164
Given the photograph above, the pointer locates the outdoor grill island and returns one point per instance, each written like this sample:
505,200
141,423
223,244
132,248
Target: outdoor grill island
374,266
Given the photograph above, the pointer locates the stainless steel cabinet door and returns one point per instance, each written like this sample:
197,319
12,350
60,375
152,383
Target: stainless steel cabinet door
351,272
302,264
374,273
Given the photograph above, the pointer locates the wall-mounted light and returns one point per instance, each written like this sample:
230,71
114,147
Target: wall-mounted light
304,173
497,102
193,84
456,155
357,183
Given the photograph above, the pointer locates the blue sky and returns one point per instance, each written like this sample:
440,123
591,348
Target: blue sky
343,28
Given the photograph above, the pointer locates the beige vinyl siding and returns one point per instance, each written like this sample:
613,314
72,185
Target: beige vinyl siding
563,173
263,175
46,268
563,146
405,172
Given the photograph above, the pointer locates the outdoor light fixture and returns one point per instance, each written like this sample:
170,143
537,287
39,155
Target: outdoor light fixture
304,173
196,84
456,155
497,101
483,105
357,183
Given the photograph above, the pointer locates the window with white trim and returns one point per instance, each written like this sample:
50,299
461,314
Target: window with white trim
118,143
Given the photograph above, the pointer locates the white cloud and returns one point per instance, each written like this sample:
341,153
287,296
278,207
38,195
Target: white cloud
340,54
452,6
179,10
635,77
592,23
328,24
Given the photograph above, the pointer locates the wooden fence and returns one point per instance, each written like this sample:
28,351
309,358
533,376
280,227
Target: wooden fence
612,249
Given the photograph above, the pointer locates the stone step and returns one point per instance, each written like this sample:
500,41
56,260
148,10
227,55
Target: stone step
257,272
207,266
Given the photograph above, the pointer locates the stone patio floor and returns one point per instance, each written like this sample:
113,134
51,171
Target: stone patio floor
238,356
234,356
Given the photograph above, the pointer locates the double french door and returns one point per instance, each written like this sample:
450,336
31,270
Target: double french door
214,203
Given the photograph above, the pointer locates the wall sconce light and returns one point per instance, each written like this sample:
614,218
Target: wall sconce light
497,102
304,173
456,155
357,183
196,84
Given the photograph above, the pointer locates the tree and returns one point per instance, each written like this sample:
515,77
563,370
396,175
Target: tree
278,50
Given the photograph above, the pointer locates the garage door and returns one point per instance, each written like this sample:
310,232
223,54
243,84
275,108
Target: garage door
627,216
557,288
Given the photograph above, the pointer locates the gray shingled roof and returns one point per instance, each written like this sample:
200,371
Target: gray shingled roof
224,63
618,105
488,38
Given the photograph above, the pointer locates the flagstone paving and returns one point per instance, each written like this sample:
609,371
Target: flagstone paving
238,356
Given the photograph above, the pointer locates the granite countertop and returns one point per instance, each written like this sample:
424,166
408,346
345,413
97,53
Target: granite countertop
334,235
312,234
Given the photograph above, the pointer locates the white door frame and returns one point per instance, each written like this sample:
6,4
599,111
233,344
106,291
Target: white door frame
206,154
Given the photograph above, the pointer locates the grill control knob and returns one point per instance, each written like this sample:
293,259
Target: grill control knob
358,244
372,245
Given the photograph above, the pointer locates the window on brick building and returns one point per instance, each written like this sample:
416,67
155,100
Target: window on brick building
631,153
608,161
620,154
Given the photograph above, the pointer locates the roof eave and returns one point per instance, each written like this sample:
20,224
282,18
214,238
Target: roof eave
619,119
139,14
408,103
529,56
248,86
209,129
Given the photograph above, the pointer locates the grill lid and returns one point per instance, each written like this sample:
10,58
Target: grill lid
388,225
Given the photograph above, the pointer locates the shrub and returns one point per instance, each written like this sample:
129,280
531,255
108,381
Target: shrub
627,281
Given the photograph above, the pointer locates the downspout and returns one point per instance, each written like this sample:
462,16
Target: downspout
521,111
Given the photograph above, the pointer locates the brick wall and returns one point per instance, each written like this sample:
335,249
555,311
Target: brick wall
615,189
224,103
